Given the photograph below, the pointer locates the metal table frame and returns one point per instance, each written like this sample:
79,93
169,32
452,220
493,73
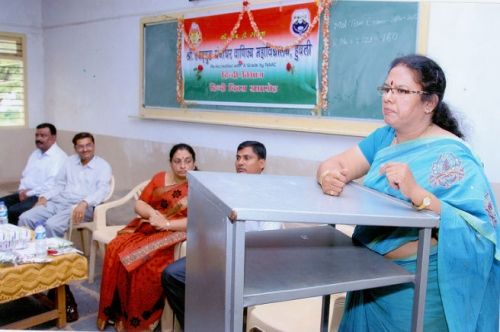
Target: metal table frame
228,269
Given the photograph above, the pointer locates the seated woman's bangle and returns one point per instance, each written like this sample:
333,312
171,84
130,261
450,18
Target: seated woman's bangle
323,175
168,224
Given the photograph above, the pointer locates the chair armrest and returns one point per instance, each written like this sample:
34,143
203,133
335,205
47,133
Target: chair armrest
101,209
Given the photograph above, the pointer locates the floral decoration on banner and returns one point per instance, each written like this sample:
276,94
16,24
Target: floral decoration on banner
193,39
198,69
179,87
323,101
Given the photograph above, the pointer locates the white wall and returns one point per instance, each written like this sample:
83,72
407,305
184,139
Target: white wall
463,38
92,74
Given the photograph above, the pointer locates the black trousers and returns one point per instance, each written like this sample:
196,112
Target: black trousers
16,207
173,280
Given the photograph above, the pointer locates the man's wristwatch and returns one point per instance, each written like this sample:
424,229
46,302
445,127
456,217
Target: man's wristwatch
426,202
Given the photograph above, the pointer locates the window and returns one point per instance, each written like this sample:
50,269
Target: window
12,79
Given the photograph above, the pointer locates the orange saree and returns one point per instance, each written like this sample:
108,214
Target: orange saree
131,293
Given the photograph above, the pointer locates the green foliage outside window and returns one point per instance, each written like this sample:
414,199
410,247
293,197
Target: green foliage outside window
12,110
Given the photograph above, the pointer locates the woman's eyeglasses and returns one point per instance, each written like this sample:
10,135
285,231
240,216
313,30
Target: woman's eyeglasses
384,90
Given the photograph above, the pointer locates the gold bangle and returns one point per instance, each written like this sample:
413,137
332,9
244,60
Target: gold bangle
323,175
168,224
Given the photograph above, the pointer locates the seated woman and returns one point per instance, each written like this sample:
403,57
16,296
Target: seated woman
420,157
131,293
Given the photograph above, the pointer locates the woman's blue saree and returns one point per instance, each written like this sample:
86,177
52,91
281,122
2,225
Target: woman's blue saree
464,274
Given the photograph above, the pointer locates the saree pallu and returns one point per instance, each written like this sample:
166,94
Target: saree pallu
131,294
465,280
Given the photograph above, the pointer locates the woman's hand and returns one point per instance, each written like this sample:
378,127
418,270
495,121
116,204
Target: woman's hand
158,221
332,182
400,177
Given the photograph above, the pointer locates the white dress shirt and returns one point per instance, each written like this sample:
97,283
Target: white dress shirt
41,170
76,182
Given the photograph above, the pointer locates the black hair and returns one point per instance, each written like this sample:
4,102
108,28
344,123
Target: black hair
433,81
52,128
82,135
182,146
258,148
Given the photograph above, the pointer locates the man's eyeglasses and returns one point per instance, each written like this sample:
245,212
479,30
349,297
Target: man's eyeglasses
384,90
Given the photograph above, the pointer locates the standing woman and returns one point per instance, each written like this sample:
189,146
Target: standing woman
420,157
131,295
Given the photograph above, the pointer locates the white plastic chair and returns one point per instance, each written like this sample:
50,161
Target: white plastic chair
104,233
89,225
295,316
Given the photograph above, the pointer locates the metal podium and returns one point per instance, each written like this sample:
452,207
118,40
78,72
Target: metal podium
228,269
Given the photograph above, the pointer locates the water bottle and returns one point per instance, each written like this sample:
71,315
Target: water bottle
4,217
40,240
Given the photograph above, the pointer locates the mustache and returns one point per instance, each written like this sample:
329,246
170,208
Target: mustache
38,142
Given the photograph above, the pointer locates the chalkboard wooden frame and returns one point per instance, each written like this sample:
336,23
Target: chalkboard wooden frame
301,123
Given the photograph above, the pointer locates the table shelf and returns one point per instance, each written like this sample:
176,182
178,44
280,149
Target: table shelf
312,261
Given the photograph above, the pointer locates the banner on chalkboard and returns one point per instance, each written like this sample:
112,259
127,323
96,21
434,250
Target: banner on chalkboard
243,70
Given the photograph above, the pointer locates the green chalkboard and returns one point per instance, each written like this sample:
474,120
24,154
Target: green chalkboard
365,36
160,41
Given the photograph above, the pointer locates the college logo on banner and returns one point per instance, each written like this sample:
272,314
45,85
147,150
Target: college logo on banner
300,21
247,72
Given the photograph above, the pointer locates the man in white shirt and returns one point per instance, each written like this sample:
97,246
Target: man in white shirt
39,173
83,180
251,159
